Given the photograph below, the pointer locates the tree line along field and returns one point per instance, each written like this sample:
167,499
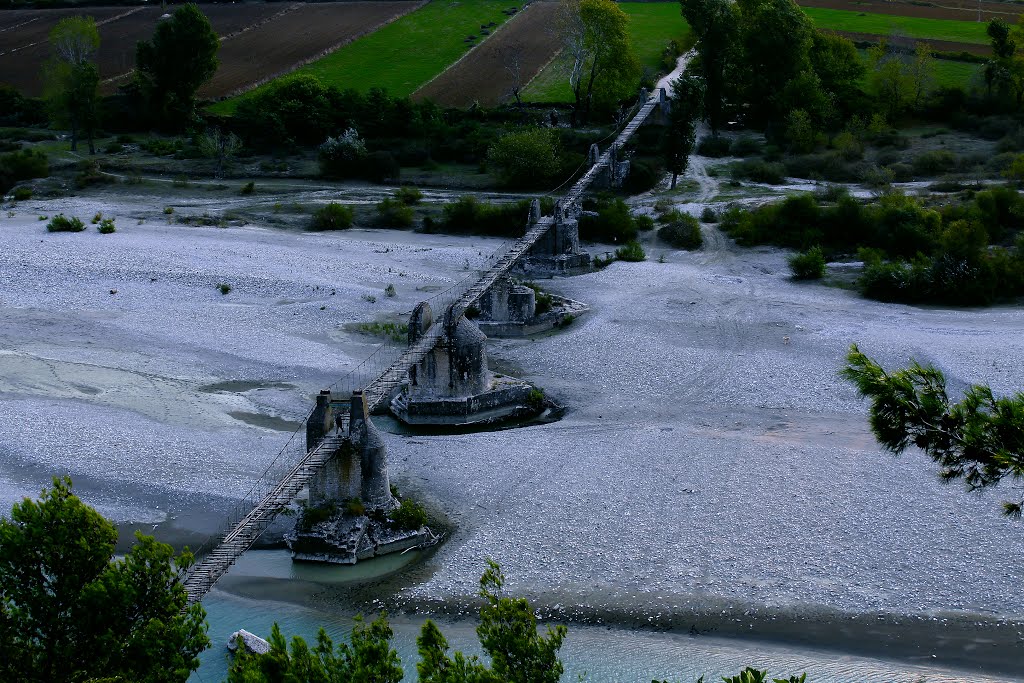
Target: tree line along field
283,35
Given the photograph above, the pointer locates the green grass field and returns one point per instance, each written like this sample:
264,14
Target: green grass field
651,26
948,73
406,53
884,24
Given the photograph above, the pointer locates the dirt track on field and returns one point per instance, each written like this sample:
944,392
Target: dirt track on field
961,10
903,41
483,76
258,40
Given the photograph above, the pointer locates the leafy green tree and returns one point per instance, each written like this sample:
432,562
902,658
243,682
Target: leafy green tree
1004,71
776,39
72,79
806,93
715,23
508,634
369,657
838,66
687,105
979,439
171,67
921,73
603,66
526,158
70,612
889,81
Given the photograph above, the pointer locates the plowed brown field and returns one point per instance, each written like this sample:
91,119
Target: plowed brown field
294,39
482,74
962,10
258,40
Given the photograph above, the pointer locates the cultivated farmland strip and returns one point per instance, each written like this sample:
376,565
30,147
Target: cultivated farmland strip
485,74
295,38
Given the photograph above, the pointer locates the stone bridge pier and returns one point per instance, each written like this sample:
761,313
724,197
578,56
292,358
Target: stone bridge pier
557,251
359,468
452,384
345,517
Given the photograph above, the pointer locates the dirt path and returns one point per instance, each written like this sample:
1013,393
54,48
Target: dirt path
960,10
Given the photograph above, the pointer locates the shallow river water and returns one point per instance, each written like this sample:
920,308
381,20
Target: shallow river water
712,472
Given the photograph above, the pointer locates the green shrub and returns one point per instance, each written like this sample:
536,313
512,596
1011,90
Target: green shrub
535,399
681,230
934,162
224,288
772,173
408,195
333,216
527,158
643,223
168,210
631,251
714,147
394,213
642,176
809,265
542,300
61,223
469,216
745,146
161,148
708,215
389,291
342,157
22,165
248,188
106,226
355,507
613,222
311,516
22,194
408,516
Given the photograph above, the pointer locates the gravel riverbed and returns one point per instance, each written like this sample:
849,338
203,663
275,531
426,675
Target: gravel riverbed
710,461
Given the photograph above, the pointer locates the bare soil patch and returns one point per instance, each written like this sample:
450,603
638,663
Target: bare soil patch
295,38
962,10
483,75
902,41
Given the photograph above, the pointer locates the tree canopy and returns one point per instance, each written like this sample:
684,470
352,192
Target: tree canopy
181,56
70,612
604,67
979,439
507,633
72,78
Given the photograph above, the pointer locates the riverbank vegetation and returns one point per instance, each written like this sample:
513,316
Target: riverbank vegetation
968,250
70,611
